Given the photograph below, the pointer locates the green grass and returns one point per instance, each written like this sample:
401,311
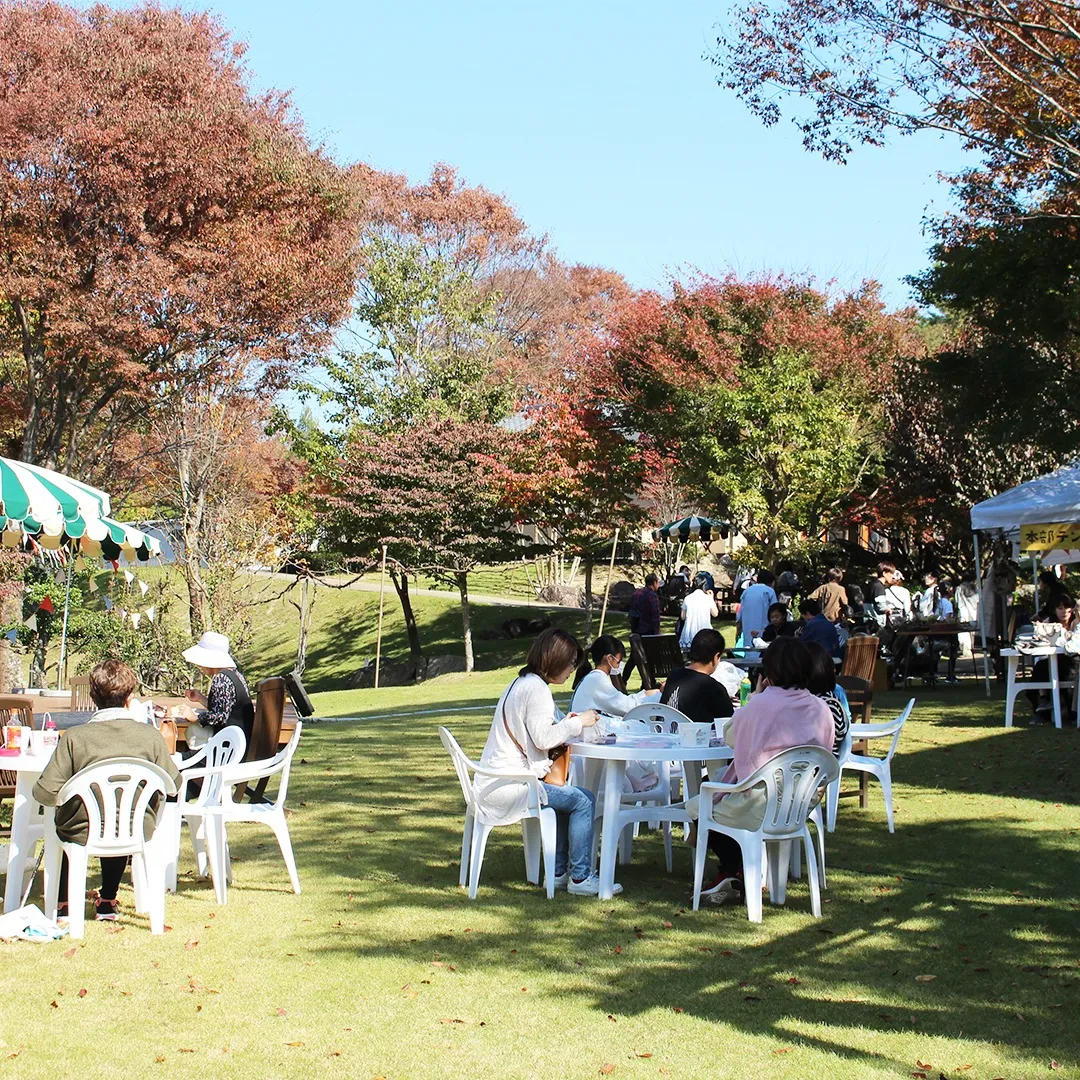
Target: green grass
384,968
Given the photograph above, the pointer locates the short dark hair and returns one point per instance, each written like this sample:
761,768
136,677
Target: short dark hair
552,652
822,670
765,577
884,568
706,644
606,645
786,664
809,607
774,608
651,580
834,573
1062,599
112,682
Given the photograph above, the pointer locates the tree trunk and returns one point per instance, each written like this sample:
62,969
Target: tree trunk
307,605
400,578
198,595
588,601
466,621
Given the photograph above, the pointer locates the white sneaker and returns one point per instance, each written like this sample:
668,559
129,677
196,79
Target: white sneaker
561,880
590,887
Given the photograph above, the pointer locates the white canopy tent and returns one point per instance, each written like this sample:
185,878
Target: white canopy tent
1053,499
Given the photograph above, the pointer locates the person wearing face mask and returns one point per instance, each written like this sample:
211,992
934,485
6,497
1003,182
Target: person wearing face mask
597,691
692,689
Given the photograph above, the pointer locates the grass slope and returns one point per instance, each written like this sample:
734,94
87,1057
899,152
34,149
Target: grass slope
383,968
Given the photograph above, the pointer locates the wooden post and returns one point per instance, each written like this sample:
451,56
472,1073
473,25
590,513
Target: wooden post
378,636
607,585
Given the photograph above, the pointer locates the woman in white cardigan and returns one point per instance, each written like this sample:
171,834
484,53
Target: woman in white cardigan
597,691
527,724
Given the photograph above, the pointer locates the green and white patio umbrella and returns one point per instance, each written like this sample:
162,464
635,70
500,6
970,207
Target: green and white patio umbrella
693,527
53,510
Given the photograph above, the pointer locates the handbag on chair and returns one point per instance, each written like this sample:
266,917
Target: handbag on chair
559,773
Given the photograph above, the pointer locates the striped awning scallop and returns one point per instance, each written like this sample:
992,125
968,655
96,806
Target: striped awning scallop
36,500
53,510
693,528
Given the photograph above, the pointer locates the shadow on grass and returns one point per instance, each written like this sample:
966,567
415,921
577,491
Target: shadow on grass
378,816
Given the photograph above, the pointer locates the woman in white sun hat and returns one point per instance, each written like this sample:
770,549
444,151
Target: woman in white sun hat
226,702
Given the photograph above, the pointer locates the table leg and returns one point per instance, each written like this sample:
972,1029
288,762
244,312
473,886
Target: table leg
614,771
1010,690
692,779
20,834
1055,689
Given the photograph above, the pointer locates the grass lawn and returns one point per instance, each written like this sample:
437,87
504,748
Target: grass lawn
948,949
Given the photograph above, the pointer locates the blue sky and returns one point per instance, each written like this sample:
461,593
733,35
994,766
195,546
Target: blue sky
603,124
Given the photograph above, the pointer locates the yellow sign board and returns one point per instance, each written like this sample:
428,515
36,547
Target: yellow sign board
1049,537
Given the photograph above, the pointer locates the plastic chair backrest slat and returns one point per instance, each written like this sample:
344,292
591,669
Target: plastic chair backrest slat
791,780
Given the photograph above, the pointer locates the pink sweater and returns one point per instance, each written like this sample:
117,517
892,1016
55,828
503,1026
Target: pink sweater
774,721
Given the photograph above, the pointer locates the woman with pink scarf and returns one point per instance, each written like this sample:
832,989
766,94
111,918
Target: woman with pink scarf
781,714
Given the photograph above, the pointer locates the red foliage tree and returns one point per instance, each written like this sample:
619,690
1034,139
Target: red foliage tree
156,219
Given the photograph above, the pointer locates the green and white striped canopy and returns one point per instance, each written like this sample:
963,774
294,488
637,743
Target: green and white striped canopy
36,500
55,510
692,528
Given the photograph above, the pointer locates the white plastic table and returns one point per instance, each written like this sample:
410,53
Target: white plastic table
28,768
1013,689
612,760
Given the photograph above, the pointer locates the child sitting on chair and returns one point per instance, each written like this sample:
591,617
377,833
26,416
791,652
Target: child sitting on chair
112,732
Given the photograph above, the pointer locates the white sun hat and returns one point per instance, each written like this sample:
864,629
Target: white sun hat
212,651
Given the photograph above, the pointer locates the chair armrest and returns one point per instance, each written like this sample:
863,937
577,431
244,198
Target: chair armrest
194,760
852,684
873,731
715,787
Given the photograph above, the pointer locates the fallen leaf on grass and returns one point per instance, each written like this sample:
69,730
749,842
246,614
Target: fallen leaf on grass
704,948
643,1053
187,1049
298,1042
784,1050
82,992
919,1075
618,948
54,1005
160,1058
925,978
15,1053
190,944
452,1020
962,1068
612,1018
607,1070
674,1008
667,925
279,1011
922,1064
70,953
794,982
1054,1064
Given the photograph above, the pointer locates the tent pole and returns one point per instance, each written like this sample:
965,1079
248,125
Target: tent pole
607,585
982,612
63,629
378,636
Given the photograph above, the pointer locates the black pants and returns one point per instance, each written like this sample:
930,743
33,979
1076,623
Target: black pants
112,870
728,851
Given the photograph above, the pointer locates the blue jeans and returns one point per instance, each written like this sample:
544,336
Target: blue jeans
574,811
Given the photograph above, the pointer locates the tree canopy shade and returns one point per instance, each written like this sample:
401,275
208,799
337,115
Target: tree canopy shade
156,219
1004,75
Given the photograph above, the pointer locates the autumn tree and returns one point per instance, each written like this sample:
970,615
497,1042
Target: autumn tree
158,221
1002,75
433,493
767,391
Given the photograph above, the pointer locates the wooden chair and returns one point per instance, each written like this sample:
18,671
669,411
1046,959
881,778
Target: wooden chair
13,707
857,679
80,693
656,655
265,733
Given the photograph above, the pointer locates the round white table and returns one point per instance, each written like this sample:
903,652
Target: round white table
611,760
1014,687
27,768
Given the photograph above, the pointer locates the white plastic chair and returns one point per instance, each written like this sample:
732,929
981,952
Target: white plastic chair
662,719
875,766
226,812
791,781
538,826
226,747
116,794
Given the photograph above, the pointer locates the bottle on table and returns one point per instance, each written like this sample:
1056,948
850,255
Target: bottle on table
744,690
52,736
